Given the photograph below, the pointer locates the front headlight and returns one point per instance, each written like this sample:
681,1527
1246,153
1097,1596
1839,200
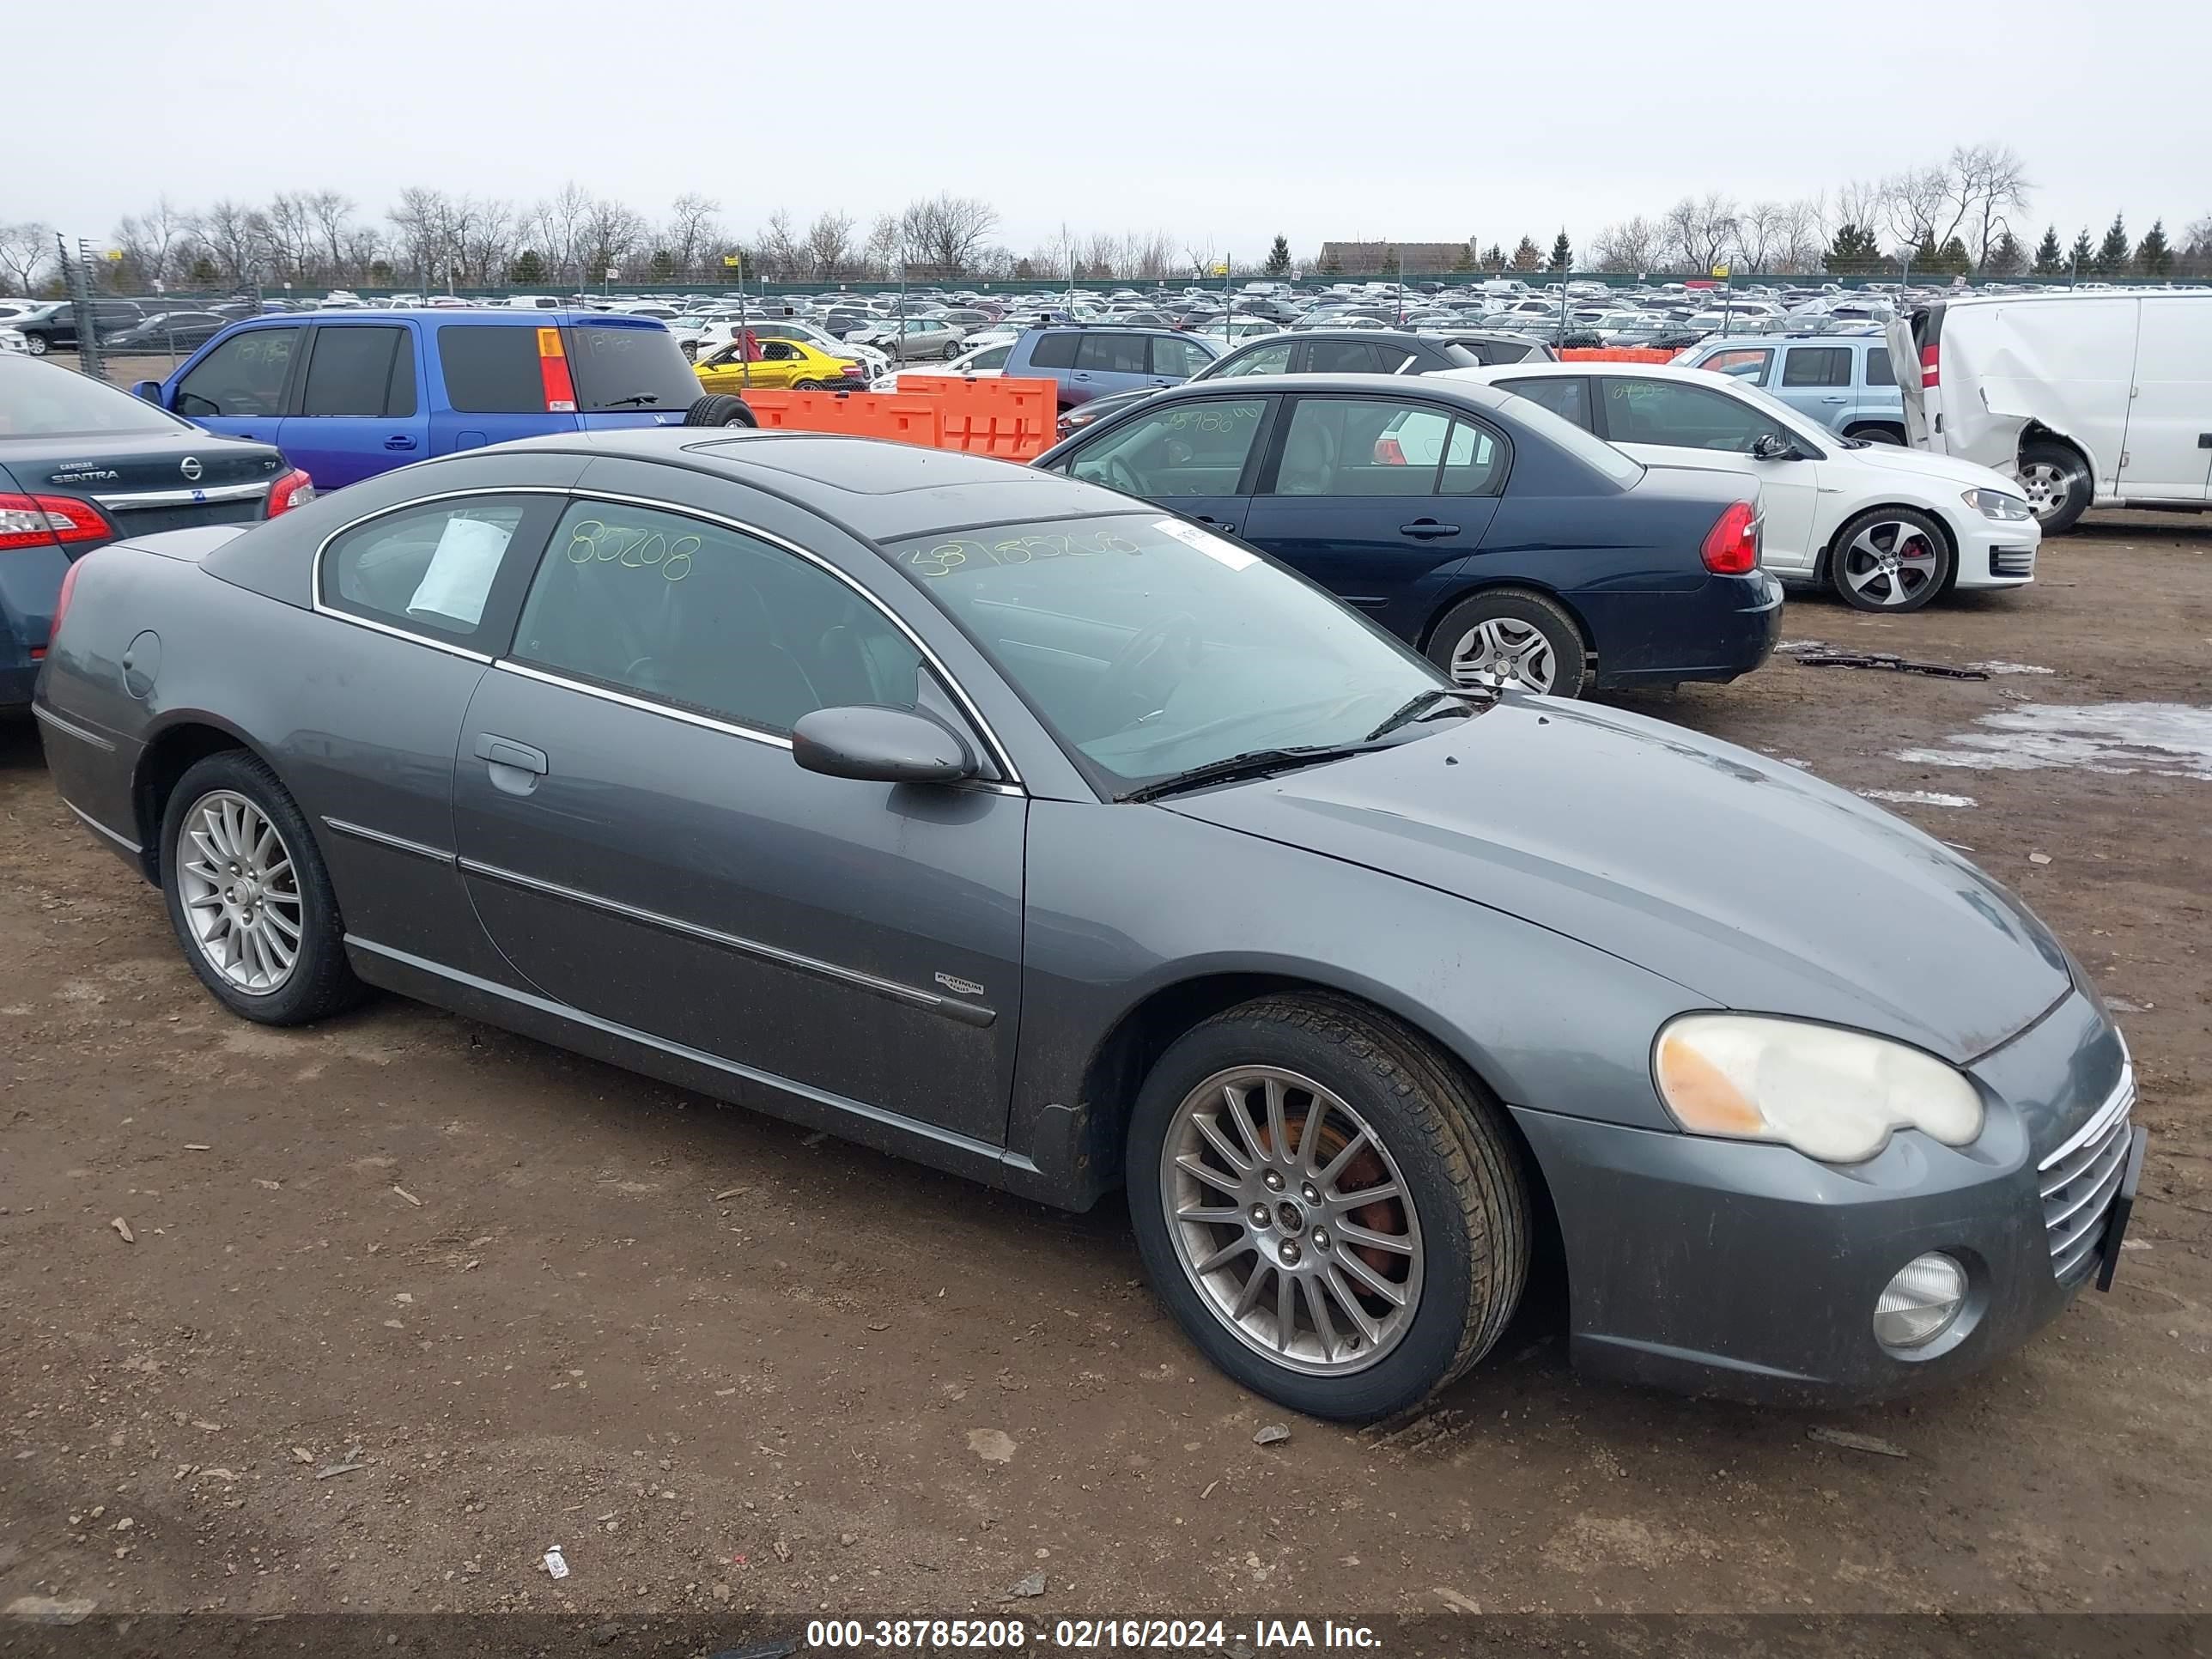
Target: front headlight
1833,1095
1996,504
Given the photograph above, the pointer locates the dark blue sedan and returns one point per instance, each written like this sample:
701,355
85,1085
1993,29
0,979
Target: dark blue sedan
1508,545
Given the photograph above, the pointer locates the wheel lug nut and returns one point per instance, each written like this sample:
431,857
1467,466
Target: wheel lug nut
1321,1238
1274,1182
1289,1255
1260,1215
1307,1193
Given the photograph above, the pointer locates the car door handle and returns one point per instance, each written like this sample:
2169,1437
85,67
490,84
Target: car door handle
1080,375
1427,530
505,752
1218,524
400,442
1834,400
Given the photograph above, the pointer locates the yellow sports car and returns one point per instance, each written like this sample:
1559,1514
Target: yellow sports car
777,364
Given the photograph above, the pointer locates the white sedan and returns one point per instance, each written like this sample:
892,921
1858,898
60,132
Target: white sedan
1889,529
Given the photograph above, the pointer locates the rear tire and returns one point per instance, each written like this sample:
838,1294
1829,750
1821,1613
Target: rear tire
1877,435
37,344
1512,636
289,893
1452,1244
719,408
2056,480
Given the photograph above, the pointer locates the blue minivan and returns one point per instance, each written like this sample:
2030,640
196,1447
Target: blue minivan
348,394
1844,381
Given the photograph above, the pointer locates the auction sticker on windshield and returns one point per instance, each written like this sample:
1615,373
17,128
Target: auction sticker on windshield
1212,546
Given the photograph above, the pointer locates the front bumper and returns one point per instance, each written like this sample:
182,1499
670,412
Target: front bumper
1750,1272
1996,553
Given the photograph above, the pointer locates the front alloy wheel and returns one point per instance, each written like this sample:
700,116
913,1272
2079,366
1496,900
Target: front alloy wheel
1503,652
1292,1219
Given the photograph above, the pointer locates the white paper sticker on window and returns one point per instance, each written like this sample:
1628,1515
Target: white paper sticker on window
1212,546
458,581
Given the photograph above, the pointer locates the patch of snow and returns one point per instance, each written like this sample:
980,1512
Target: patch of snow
1917,797
2168,739
2011,668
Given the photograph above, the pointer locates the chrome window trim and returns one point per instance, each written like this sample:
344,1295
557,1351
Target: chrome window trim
315,570
967,1013
187,497
70,728
999,757
672,711
385,838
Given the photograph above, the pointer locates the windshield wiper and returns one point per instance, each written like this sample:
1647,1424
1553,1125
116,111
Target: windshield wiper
641,397
1253,764
1418,707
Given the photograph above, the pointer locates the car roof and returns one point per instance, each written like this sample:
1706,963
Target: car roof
1437,384
877,488
502,318
1497,372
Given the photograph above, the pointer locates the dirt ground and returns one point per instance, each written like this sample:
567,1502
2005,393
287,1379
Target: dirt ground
411,1300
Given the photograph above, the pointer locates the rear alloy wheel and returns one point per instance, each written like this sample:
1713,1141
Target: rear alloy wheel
1894,559
37,344
2057,484
1331,1212
248,896
1511,639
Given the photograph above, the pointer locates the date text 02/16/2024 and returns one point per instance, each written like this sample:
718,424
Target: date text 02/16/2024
1083,1635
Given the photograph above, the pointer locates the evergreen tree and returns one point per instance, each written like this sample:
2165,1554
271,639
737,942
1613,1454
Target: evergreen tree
204,271
2007,257
2050,258
1466,260
1528,256
2081,258
1024,270
1925,257
1278,259
2112,256
528,270
1495,258
1855,253
1952,259
1562,254
663,265
2153,257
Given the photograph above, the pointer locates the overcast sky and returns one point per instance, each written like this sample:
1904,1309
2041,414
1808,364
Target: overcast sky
1397,119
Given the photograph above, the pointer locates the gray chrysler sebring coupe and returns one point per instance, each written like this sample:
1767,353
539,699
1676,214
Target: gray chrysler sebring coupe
1013,825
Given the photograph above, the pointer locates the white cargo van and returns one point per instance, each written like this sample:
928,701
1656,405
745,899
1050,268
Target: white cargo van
2091,398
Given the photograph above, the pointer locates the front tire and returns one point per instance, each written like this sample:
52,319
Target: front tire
1511,637
37,344
1891,559
1333,1213
248,896
2056,482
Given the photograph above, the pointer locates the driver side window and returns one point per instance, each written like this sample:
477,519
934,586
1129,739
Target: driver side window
1194,448
245,374
1681,416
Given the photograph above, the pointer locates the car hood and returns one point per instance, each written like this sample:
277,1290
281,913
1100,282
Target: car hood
1938,468
1744,880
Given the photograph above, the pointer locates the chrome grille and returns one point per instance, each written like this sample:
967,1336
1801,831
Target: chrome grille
2079,1179
2012,562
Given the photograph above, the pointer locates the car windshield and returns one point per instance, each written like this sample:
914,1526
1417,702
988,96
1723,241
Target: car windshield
1151,647
620,368
43,400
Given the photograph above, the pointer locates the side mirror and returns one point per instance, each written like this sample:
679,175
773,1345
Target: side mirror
879,745
1771,448
149,390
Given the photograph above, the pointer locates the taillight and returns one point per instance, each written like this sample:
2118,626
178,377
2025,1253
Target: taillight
1731,546
1388,452
1931,365
62,599
295,488
553,373
42,520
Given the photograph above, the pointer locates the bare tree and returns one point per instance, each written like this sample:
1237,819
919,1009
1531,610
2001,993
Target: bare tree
228,232
1915,202
331,212
777,252
945,234
612,232
422,230
884,248
1759,234
1801,237
153,242
1635,245
559,221
1199,259
1983,184
1701,232
485,238
288,231
2197,249
829,247
24,251
692,229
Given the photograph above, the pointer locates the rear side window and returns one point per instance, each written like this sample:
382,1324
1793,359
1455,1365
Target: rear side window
491,370
1748,363
1344,357
619,368
1054,351
350,372
1274,358
432,569
1879,369
246,374
1567,395
1111,354
1178,358
1816,366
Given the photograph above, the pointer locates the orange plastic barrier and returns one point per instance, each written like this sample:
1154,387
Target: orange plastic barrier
1616,355
898,416
1010,419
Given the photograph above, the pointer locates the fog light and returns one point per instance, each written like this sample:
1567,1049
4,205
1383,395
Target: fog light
1920,1303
